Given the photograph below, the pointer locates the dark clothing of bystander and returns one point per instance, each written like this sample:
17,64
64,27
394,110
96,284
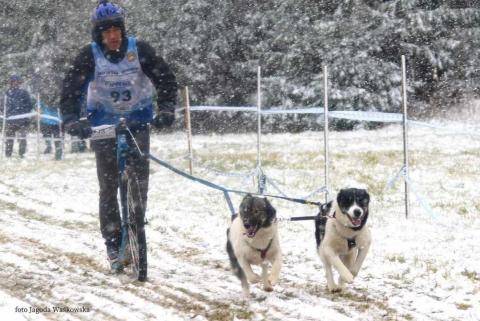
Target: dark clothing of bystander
18,103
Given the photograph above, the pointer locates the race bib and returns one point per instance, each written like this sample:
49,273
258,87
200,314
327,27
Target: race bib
103,132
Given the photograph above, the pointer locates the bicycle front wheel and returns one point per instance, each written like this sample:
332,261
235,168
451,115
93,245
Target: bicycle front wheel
136,227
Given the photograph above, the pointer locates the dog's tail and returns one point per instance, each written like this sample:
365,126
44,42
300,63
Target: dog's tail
237,269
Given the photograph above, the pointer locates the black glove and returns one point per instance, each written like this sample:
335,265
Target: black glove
80,128
165,116
163,120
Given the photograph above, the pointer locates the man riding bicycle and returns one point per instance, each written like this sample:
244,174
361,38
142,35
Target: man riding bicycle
121,74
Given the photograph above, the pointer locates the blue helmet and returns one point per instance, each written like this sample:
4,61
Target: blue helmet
15,77
107,12
105,16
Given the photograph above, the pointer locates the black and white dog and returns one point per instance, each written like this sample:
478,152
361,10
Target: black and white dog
253,239
342,238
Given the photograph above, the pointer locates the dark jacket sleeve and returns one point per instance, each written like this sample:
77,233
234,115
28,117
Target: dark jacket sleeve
74,88
29,102
160,75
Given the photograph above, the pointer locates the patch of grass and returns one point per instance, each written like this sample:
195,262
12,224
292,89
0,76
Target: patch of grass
461,169
242,161
446,275
369,159
4,239
9,206
462,211
228,161
396,258
402,277
463,306
363,307
477,207
374,186
429,265
472,152
471,275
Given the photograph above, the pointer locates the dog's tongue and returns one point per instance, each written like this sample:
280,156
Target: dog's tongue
356,221
252,231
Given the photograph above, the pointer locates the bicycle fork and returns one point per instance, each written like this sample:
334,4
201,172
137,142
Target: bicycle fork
122,183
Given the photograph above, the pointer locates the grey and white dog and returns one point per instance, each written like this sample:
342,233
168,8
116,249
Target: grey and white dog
343,239
252,239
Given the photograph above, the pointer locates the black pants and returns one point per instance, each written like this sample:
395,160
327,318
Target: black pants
11,129
107,172
48,131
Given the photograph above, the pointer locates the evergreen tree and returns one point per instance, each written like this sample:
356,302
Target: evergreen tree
216,46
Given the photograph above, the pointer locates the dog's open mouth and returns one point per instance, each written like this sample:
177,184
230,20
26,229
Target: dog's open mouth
356,221
251,231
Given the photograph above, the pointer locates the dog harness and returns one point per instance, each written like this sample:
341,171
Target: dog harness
351,243
263,253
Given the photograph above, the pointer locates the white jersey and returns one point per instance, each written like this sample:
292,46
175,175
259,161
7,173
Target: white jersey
119,89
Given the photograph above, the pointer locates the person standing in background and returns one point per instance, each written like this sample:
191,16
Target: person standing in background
18,103
50,127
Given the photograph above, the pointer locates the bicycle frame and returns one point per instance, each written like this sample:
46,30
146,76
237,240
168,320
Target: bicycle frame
122,151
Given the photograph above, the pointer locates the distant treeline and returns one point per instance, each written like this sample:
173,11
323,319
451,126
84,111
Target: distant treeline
216,46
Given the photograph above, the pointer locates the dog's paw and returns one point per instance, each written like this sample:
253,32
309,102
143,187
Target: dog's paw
334,288
268,286
341,284
254,278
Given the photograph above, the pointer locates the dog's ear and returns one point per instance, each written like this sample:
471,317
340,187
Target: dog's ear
341,195
271,211
247,203
364,197
367,196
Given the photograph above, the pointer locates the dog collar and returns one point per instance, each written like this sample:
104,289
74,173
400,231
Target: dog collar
263,253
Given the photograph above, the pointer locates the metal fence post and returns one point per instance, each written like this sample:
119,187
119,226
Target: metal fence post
4,123
261,178
405,136
325,130
38,126
188,125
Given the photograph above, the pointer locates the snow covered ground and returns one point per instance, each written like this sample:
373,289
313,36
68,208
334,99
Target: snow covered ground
421,268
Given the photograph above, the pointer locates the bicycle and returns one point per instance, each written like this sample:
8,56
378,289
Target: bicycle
133,246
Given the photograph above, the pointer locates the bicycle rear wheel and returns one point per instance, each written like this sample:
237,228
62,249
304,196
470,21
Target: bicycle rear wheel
136,227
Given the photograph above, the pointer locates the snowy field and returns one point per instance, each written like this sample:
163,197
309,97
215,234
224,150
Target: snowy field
425,267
